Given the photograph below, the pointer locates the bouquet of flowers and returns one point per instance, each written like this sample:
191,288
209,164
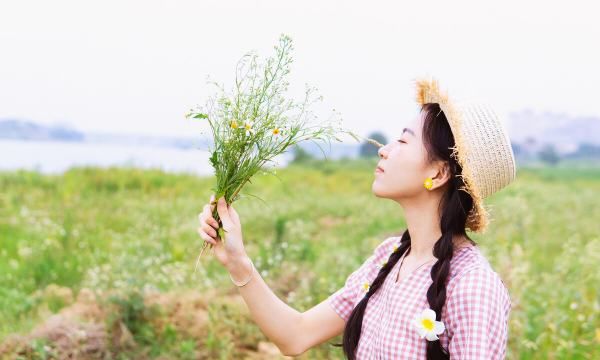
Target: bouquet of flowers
255,122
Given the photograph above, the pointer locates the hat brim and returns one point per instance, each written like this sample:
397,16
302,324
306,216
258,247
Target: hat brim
428,91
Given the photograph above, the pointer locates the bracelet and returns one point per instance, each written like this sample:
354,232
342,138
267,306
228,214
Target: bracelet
249,277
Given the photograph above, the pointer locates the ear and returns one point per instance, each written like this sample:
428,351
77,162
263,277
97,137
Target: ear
442,175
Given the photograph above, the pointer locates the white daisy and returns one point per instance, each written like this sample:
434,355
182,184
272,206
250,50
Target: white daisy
248,127
427,326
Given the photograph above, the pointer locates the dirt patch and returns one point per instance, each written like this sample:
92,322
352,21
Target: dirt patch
80,329
76,332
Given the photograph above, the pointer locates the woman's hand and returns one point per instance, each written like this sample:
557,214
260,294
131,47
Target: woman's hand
230,250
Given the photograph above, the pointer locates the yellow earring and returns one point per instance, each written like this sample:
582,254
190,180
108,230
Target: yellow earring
428,183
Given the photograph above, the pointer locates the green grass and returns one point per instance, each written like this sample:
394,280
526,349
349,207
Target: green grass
125,231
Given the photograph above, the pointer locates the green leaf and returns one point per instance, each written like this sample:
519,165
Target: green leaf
213,159
200,116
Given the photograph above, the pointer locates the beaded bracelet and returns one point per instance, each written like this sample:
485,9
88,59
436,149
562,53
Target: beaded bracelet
249,277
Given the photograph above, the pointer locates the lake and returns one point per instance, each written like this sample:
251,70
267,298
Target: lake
53,157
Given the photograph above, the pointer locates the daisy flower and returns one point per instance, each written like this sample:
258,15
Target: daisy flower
427,326
366,286
248,127
234,124
276,131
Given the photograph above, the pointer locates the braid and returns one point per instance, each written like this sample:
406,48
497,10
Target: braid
354,324
452,222
436,294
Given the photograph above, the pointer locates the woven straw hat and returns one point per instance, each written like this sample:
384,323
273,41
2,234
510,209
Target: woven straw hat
482,148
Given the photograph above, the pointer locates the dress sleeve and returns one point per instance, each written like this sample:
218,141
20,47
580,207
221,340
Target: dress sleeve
478,308
344,299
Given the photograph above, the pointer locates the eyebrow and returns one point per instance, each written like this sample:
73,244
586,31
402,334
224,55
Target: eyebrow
408,131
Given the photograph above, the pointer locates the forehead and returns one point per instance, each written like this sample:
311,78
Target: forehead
415,124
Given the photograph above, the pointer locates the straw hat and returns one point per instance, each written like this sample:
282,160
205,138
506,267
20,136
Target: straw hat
482,148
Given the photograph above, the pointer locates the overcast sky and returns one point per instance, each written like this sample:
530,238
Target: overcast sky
138,66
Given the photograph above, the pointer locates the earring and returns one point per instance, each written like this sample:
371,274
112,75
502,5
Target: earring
428,183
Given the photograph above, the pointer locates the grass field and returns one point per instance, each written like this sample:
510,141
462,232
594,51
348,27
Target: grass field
116,248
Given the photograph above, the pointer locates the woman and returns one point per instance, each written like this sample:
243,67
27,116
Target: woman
429,293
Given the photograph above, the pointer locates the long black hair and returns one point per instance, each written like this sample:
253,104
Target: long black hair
455,206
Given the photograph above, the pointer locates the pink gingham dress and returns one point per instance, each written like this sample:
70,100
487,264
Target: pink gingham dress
475,313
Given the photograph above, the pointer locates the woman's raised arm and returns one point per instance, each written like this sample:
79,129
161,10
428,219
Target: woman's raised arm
293,332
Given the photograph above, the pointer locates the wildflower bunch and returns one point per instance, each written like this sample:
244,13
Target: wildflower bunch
256,121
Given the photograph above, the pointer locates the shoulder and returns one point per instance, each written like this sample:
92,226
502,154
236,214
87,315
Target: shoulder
385,247
379,254
474,281
477,309
470,263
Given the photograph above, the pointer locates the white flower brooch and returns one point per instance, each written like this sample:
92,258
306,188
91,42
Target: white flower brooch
427,326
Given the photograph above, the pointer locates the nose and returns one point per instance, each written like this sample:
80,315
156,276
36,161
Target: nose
382,152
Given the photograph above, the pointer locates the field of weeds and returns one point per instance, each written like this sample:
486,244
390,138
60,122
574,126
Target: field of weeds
99,263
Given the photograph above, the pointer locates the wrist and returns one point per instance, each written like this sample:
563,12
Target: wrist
240,268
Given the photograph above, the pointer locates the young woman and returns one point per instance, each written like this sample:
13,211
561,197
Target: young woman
428,293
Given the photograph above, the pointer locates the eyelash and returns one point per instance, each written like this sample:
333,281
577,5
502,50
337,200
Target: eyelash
399,140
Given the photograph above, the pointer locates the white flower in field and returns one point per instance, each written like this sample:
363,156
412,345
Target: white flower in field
25,252
427,326
248,127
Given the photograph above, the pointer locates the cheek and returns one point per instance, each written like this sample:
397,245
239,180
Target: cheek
404,174
407,166
408,158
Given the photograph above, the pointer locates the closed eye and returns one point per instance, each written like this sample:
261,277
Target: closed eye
402,141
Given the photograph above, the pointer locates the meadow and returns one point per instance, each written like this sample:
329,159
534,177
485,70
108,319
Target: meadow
100,261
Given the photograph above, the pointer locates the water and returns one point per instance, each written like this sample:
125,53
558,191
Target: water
53,157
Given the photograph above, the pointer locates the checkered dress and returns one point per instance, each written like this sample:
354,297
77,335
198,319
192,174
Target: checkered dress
475,313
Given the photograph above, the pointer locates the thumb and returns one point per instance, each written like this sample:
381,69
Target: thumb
224,213
233,214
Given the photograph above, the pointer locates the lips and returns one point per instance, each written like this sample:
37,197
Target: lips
379,168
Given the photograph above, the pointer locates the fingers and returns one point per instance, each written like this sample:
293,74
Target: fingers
206,216
224,212
209,230
209,218
208,224
212,222
206,237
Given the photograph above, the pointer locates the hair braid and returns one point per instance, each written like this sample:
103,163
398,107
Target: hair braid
452,222
354,324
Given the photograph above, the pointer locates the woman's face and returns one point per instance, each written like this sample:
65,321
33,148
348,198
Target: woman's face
404,163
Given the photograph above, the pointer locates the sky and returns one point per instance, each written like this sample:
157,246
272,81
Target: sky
138,66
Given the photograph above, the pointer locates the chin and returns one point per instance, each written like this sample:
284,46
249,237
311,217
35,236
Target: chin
377,191
384,192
